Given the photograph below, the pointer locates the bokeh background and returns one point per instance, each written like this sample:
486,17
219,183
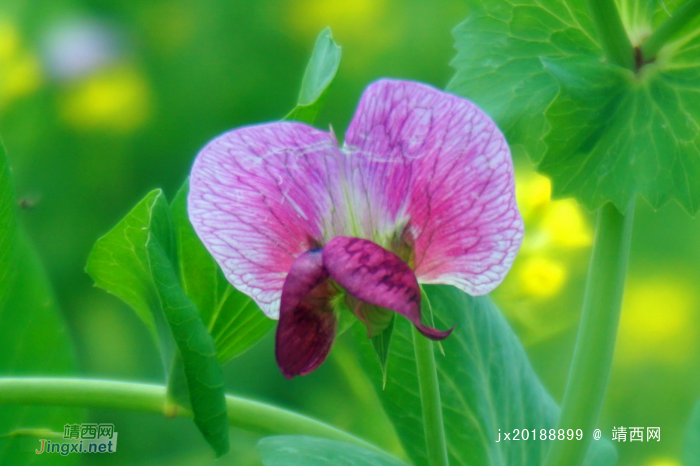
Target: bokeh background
103,100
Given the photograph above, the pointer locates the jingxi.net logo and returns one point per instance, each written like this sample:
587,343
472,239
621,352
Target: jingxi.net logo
82,438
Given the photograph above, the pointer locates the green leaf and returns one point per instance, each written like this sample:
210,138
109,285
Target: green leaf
118,262
135,261
691,450
601,133
486,384
205,379
299,450
231,317
319,74
381,344
33,336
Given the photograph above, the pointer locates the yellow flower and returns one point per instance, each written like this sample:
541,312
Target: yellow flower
9,40
353,17
20,71
533,192
565,225
657,322
541,277
663,462
113,99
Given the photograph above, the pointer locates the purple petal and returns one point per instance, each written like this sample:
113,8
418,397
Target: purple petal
376,276
307,324
259,197
439,161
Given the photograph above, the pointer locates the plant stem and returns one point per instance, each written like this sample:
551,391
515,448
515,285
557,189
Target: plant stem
674,23
611,33
90,393
430,400
595,343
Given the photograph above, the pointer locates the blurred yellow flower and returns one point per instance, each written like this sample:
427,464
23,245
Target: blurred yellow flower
344,16
658,323
565,225
9,39
549,223
113,99
663,462
541,277
533,192
20,70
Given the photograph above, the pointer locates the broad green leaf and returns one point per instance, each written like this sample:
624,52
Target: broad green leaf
486,384
33,336
299,450
118,262
691,451
135,261
601,133
203,374
319,74
231,317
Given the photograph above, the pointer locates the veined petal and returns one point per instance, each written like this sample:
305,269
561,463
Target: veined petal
307,324
436,162
259,197
376,276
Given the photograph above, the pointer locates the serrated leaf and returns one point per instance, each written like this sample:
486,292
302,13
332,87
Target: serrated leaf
135,261
299,450
486,384
33,336
319,74
601,133
231,317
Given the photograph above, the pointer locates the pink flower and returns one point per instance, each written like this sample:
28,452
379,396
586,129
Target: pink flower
422,191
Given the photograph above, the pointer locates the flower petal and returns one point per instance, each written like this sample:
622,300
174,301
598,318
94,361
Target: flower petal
376,276
307,325
440,162
258,196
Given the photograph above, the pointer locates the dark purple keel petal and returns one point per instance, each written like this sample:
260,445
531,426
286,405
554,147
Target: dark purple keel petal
377,276
307,324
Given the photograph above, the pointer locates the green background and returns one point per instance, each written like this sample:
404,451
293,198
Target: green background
85,149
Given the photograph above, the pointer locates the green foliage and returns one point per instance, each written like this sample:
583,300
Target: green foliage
33,336
118,262
319,74
135,261
486,384
205,380
600,132
233,319
299,450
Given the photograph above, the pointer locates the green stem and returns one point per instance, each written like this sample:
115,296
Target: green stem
674,23
89,393
611,33
430,400
595,344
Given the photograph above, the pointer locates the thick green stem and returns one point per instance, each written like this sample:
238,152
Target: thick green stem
677,21
611,33
430,401
89,393
597,334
